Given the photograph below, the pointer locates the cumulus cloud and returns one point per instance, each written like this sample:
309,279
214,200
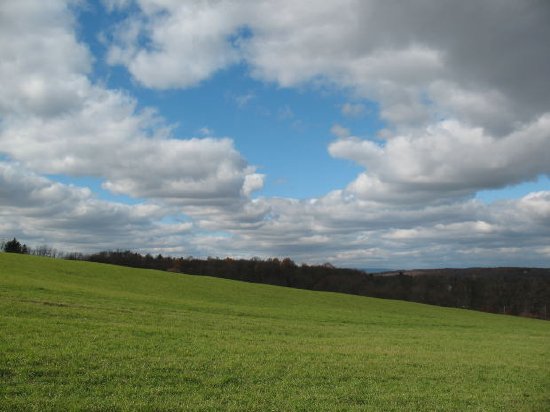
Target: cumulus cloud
41,71
503,233
450,53
340,131
353,109
42,211
449,81
56,121
447,160
185,46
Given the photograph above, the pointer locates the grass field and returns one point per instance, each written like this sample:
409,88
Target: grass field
85,336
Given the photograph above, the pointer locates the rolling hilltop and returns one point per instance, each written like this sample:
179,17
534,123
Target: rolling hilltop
81,335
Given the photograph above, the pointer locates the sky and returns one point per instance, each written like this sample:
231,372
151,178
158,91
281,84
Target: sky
364,133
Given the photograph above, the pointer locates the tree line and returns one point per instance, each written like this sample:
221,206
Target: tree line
515,291
15,246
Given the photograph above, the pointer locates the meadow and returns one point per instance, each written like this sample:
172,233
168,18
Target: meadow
86,336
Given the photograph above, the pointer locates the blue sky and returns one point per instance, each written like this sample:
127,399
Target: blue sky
275,128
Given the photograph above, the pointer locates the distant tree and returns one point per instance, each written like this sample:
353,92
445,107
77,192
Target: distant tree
75,256
14,246
45,250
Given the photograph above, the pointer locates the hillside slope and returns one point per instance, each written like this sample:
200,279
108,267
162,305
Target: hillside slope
79,335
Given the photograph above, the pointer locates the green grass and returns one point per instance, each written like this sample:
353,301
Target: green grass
84,336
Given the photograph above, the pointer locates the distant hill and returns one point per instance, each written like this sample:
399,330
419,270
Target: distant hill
87,336
469,272
377,270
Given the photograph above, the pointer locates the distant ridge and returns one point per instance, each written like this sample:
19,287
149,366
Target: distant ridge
474,271
377,270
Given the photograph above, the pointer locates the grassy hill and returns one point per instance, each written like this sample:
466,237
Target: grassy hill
79,335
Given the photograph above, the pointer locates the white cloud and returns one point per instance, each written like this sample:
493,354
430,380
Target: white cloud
348,231
463,113
71,218
398,56
54,120
252,183
353,109
112,5
243,100
447,160
186,45
340,131
31,75
205,131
